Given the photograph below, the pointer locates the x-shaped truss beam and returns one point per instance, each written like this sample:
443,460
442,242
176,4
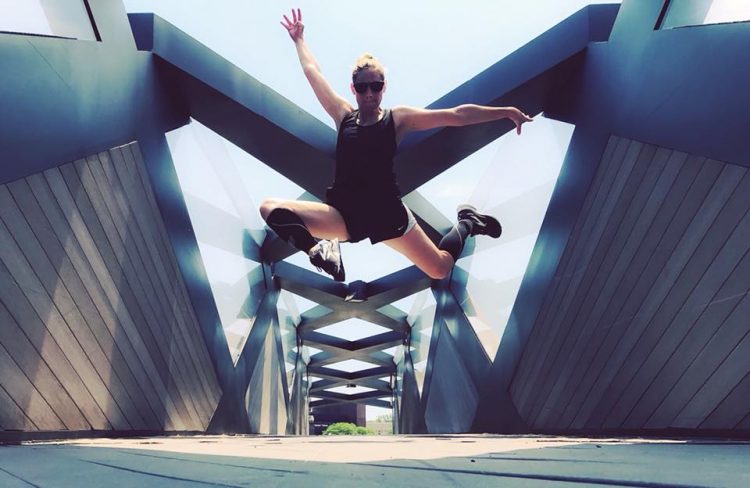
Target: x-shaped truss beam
332,398
332,309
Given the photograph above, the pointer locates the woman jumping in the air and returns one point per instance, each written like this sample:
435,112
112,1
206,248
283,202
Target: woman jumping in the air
364,200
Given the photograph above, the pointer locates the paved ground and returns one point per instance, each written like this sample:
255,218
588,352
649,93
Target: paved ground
375,461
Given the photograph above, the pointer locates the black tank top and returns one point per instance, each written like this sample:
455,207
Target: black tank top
364,155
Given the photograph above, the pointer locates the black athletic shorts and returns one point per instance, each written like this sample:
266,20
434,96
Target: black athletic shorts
369,213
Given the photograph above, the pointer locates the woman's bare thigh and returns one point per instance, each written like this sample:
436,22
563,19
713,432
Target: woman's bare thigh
420,250
323,221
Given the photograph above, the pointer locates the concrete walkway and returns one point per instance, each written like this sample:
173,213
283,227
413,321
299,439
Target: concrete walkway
375,461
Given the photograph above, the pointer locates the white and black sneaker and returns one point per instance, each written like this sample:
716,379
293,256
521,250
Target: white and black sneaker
480,223
326,256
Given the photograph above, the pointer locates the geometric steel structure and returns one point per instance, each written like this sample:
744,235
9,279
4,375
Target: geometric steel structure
630,316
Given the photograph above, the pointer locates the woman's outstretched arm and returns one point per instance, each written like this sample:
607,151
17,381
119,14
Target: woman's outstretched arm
334,104
409,119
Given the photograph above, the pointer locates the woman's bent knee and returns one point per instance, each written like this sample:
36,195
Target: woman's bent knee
440,270
267,206
439,274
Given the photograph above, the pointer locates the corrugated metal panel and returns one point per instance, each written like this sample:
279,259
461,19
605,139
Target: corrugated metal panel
96,329
645,325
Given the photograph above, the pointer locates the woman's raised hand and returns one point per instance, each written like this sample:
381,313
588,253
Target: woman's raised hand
295,27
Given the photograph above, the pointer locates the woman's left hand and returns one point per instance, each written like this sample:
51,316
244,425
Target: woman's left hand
295,27
518,118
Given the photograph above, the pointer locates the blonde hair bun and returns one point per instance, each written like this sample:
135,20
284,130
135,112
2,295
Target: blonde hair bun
367,61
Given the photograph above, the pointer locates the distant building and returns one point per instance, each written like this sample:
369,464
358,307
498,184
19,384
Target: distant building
322,417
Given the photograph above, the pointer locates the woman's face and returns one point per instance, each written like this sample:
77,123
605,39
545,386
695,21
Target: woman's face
369,99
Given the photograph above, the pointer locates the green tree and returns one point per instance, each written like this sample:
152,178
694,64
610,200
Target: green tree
346,428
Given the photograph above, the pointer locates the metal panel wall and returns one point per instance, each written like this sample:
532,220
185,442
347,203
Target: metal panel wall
645,325
453,398
266,402
96,330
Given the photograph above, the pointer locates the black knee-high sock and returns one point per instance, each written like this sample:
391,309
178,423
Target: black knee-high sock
291,228
454,240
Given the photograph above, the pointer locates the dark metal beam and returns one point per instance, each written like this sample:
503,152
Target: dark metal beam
385,340
380,293
318,323
369,395
382,341
378,318
231,412
396,286
372,402
379,385
326,358
315,313
86,97
393,313
324,341
335,374
308,284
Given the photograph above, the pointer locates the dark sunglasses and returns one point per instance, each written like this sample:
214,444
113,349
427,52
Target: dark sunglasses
375,86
